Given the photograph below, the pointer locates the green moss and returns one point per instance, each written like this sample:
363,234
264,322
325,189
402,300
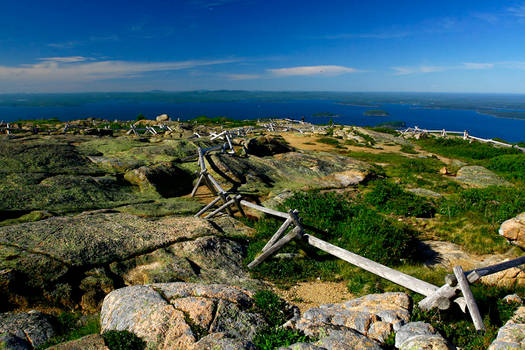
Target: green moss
463,149
123,340
328,141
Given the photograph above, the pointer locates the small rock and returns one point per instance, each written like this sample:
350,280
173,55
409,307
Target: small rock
162,118
266,146
513,298
443,171
420,335
425,192
514,230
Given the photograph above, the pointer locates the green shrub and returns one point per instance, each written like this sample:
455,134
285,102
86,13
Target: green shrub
123,340
385,130
459,148
275,312
391,198
353,227
512,166
328,141
140,117
408,149
279,337
271,307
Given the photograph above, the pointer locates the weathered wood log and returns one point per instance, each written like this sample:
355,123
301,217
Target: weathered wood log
219,209
278,245
216,184
225,199
488,270
388,273
209,184
277,234
441,298
208,206
471,302
264,209
197,184
296,221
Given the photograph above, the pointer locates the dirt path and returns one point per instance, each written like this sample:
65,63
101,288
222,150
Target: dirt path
306,295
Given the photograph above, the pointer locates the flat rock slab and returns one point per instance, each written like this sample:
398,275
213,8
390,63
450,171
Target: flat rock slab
93,238
478,176
184,315
292,170
25,330
55,259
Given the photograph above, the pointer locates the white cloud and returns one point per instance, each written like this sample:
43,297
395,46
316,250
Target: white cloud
518,11
64,45
75,69
472,65
419,69
434,69
69,59
312,70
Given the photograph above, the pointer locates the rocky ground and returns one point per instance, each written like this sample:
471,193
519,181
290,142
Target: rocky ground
104,224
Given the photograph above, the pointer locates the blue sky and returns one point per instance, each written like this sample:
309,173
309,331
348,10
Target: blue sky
442,46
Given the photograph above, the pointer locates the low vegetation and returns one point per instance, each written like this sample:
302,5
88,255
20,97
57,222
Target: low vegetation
463,149
457,326
275,313
71,326
223,121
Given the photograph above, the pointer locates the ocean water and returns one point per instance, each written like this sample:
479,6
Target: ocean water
476,124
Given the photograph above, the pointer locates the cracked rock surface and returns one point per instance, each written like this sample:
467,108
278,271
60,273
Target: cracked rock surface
78,259
184,315
24,330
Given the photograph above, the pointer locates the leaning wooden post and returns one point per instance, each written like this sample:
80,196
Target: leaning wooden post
208,206
216,211
471,302
278,233
237,200
280,243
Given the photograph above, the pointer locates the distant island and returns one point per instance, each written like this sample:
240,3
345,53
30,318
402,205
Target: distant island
325,114
504,114
376,113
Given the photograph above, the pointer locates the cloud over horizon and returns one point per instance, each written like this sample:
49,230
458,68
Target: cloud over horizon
328,70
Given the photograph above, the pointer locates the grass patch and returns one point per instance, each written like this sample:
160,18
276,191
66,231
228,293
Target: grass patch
123,340
385,130
70,326
222,121
389,197
275,312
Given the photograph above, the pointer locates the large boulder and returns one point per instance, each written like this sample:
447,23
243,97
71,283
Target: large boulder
514,230
76,260
25,330
162,118
183,315
292,170
478,176
512,334
166,179
266,146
